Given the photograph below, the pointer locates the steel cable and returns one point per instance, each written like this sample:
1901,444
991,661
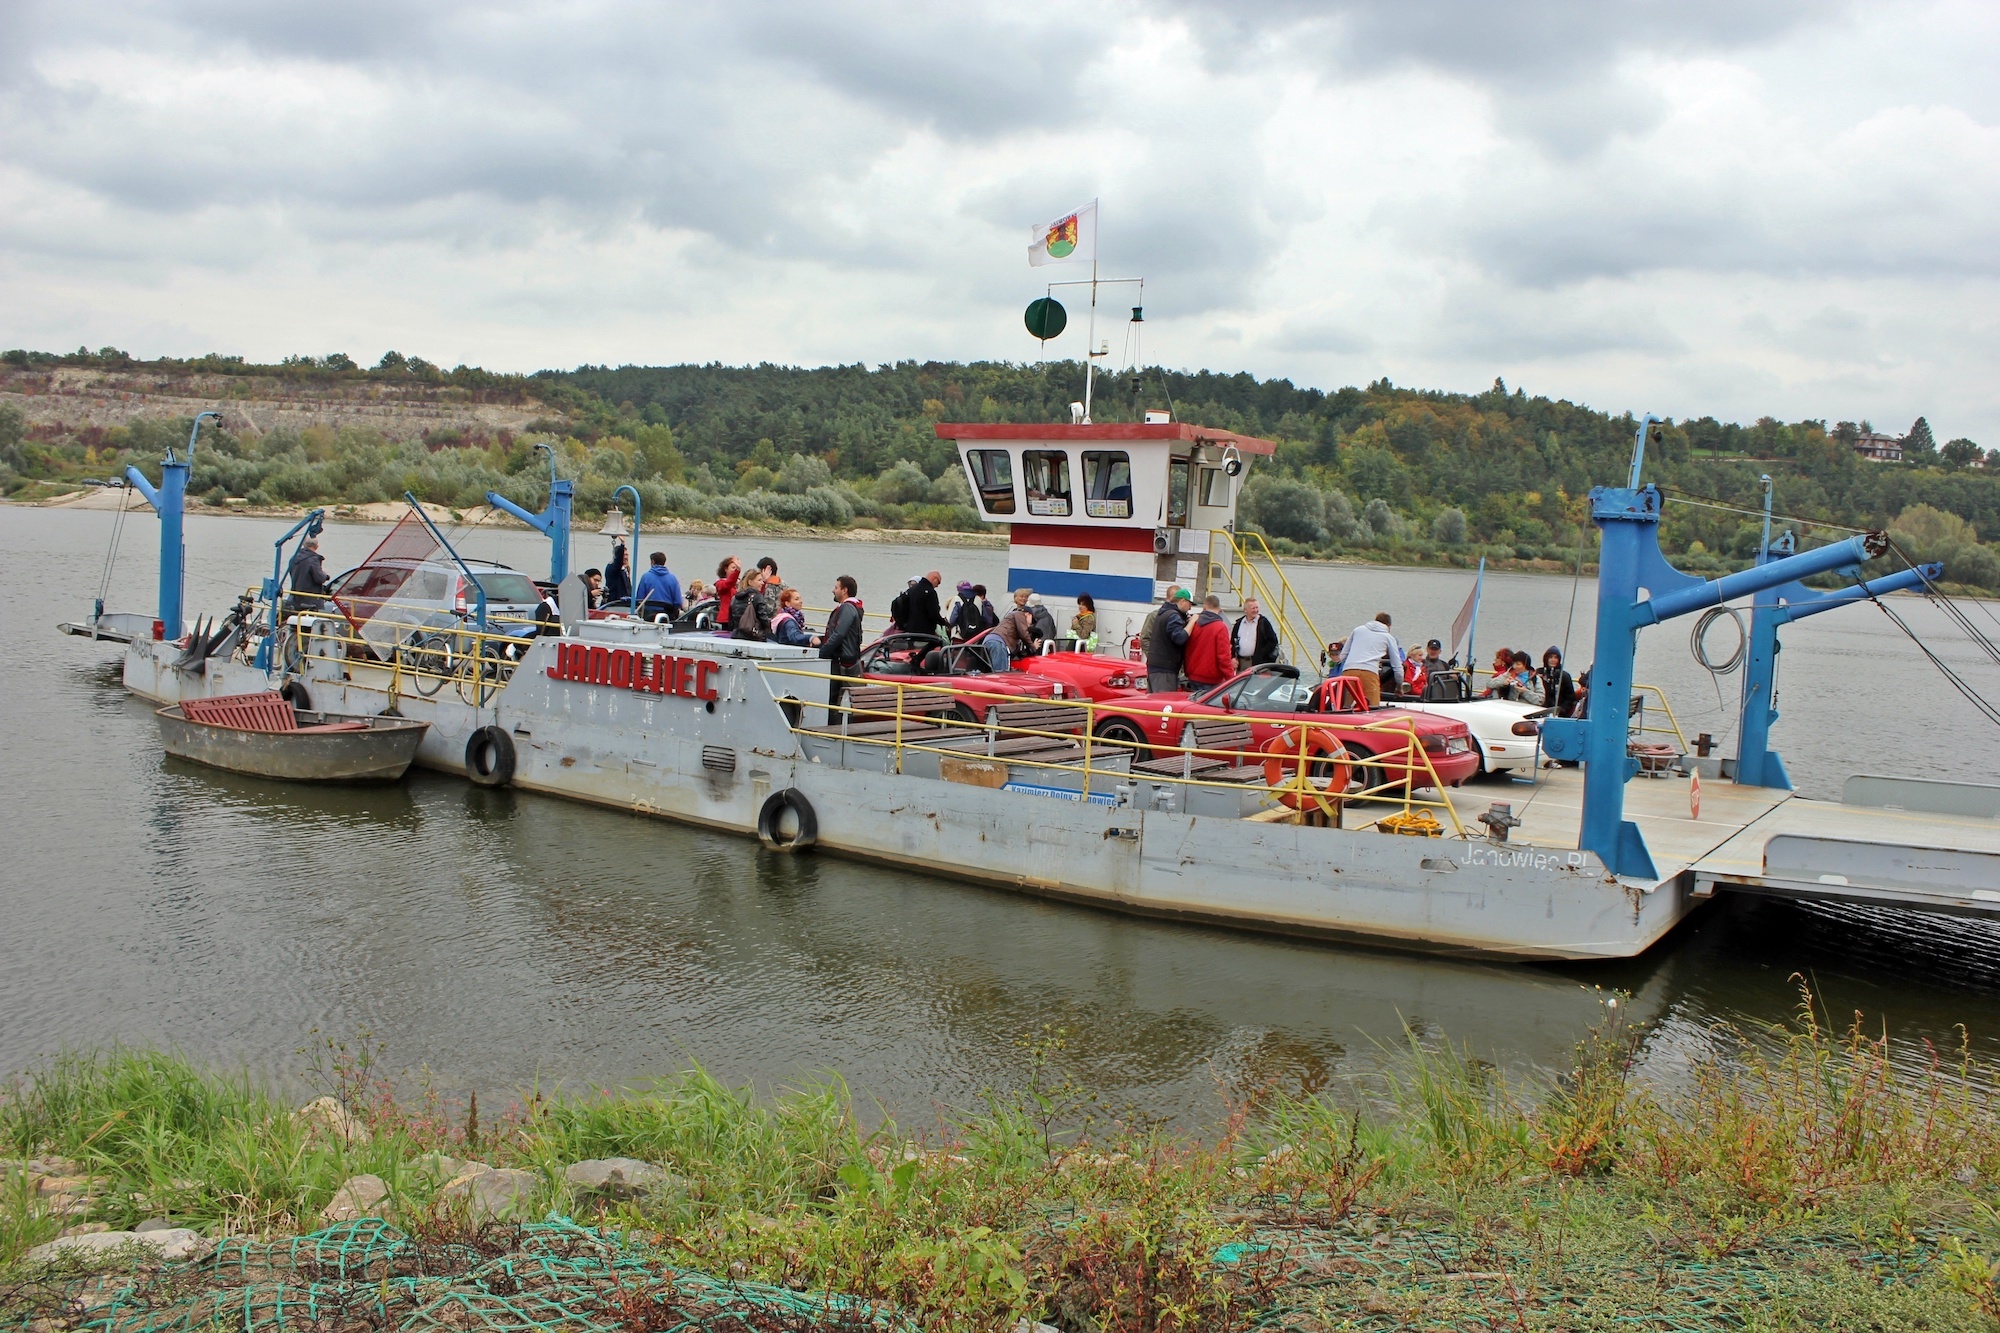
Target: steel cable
1698,640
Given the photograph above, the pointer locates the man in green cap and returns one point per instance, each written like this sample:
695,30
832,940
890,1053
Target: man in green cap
1166,645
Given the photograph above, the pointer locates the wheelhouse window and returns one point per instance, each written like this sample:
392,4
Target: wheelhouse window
992,478
1045,473
1177,493
1215,488
1107,482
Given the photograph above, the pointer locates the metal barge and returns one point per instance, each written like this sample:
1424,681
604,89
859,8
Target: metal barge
749,738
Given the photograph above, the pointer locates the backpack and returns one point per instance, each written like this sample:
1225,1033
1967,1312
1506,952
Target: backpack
1146,629
968,618
899,607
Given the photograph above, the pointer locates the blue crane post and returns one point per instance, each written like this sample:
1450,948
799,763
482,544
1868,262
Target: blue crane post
312,525
169,501
1630,560
1757,764
552,522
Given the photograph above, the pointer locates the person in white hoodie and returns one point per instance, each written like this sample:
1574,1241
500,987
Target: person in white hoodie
1371,648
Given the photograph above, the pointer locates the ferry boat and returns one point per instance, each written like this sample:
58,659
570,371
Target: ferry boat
758,739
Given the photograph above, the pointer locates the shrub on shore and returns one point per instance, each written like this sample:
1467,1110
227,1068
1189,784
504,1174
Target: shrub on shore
1792,1179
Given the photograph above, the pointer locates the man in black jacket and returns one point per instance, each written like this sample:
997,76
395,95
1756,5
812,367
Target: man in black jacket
841,644
921,613
1253,639
1166,646
308,576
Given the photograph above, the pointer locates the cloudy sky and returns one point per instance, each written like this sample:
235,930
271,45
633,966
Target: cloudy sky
1687,206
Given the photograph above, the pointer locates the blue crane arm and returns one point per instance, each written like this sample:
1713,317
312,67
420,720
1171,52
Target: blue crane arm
137,480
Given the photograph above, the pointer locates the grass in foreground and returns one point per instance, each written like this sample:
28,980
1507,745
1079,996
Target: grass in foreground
1801,1182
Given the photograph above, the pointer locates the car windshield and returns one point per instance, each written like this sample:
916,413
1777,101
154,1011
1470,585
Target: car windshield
518,589
1270,692
1267,692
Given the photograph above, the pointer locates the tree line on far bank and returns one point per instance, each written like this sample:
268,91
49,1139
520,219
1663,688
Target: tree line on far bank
1379,472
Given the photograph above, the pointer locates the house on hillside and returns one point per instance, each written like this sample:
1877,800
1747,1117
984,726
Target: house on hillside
1878,448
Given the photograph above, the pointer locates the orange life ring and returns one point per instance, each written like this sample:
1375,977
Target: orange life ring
1281,763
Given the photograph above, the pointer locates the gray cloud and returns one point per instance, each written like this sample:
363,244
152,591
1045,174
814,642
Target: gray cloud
1551,66
1320,190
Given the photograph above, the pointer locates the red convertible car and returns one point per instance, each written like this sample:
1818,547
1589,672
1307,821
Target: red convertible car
960,667
1097,676
1275,700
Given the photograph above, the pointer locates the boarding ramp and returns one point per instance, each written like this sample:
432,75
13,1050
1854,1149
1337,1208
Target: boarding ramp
1915,843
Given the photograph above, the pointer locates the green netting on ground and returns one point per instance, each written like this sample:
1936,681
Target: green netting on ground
368,1275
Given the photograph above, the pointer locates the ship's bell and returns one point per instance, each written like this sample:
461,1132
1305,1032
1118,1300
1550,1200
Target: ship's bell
614,524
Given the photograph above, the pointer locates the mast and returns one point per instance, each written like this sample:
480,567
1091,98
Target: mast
1090,339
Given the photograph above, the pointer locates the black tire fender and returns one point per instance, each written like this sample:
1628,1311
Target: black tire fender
297,695
791,798
489,757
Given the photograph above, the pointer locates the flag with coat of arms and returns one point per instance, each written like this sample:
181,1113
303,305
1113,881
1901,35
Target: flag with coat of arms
1071,237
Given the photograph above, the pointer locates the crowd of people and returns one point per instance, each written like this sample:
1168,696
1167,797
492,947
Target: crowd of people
754,604
1183,646
1373,657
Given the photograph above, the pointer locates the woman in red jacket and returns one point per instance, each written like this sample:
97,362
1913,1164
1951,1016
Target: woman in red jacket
1208,661
727,575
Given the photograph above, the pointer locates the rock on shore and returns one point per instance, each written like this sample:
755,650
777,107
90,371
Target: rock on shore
360,1197
619,1178
173,1244
326,1118
493,1195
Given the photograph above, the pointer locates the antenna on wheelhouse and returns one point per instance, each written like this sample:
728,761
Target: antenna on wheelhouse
1063,241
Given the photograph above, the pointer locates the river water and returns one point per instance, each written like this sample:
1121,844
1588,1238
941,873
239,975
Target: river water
499,939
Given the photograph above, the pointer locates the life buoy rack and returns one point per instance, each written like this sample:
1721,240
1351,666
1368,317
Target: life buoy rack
489,757
1281,764
771,830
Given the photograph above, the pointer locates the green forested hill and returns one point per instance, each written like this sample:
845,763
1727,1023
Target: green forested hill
1382,472
1380,469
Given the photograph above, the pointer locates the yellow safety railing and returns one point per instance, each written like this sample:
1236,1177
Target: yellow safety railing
1673,727
1282,605
1403,767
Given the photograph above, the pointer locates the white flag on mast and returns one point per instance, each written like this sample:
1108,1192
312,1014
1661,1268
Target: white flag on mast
1071,237
1468,615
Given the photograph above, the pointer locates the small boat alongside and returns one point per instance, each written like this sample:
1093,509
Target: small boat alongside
264,736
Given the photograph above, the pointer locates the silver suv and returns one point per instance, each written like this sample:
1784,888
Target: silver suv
395,600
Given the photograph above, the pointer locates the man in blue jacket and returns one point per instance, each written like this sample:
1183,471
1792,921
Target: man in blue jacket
659,592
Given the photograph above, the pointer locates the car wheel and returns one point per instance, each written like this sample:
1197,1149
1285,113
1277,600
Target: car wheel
1357,755
1126,735
963,712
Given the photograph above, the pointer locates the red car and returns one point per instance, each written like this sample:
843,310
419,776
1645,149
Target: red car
898,656
1276,699
1097,676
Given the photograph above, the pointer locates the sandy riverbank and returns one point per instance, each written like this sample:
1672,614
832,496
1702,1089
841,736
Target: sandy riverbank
110,499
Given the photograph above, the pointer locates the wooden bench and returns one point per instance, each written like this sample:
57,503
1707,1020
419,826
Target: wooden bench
1229,736
996,742
264,712
872,715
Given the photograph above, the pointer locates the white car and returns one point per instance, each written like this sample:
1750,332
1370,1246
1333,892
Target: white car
1508,733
